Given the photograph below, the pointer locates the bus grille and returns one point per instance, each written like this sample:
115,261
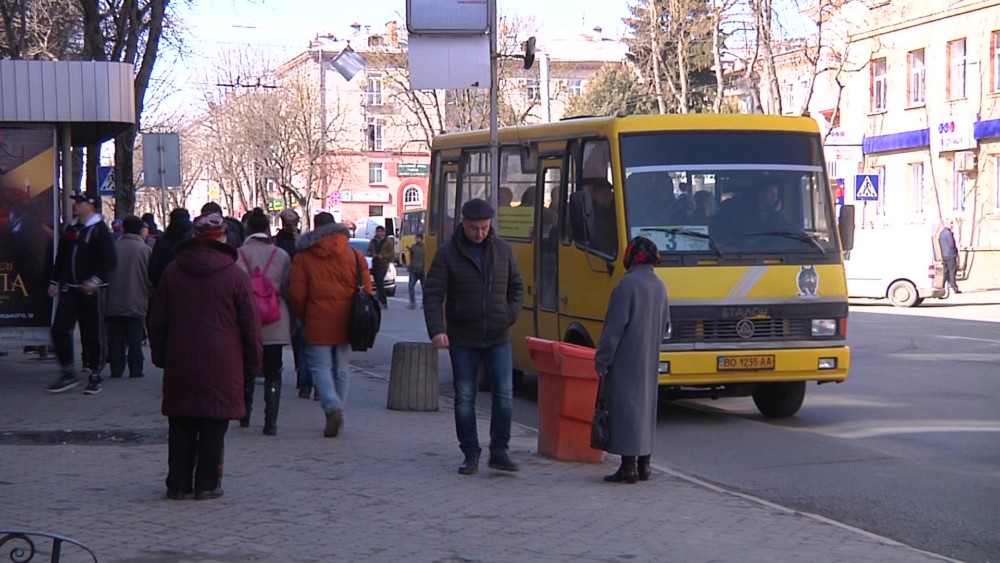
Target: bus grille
685,330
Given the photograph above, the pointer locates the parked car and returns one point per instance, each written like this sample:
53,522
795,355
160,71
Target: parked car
895,265
361,245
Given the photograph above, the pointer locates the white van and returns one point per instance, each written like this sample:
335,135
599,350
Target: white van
896,265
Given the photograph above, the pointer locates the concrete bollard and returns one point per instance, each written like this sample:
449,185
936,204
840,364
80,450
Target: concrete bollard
413,379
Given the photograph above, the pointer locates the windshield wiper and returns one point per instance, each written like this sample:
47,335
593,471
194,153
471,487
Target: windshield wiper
688,232
792,235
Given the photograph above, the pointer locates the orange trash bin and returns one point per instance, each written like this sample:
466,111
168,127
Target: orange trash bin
567,391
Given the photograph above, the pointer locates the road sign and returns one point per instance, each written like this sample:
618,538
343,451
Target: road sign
866,187
106,180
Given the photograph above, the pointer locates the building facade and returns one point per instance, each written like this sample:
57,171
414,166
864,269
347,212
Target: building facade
922,103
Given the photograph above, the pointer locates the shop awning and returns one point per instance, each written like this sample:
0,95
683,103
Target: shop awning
986,129
896,141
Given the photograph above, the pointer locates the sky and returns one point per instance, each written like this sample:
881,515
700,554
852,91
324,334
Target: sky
281,29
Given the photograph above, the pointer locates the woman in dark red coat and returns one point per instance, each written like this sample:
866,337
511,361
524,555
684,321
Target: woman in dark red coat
203,332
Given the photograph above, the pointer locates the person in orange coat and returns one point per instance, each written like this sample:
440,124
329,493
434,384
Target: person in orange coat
323,283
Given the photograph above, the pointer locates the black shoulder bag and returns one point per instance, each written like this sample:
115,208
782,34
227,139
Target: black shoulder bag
366,315
600,436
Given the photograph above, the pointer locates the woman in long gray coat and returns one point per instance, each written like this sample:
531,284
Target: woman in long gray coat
628,358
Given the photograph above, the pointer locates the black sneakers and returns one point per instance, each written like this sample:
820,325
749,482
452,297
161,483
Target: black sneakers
66,381
93,385
470,466
502,462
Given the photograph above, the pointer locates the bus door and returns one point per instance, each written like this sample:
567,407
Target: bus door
546,291
441,220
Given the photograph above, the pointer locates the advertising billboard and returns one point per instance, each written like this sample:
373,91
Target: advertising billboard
27,202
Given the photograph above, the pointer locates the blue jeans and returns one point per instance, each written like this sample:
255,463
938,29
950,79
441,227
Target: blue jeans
331,376
499,363
412,285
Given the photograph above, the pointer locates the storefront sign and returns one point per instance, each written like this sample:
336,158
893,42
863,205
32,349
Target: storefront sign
953,133
411,170
367,196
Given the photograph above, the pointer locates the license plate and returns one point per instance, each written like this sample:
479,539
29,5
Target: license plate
736,363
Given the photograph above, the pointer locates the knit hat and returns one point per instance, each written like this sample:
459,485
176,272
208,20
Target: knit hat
87,198
133,225
117,225
288,216
641,250
477,209
210,226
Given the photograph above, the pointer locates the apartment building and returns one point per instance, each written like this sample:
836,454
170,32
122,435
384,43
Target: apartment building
379,130
919,115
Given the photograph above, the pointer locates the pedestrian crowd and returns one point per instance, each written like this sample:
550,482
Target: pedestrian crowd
218,300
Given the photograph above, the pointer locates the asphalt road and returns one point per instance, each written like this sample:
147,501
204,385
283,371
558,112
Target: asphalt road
908,447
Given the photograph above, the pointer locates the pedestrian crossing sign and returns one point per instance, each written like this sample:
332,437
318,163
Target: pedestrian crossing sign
866,187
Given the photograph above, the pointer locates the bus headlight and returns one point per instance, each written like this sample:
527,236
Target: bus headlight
827,363
664,367
824,327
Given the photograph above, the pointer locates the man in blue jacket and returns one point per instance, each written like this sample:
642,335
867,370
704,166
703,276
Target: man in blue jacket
949,255
472,296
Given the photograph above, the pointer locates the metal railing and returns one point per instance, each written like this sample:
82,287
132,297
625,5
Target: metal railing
24,546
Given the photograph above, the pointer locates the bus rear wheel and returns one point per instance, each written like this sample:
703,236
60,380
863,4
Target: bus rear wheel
779,400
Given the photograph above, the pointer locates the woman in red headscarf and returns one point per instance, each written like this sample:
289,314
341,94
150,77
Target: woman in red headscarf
628,359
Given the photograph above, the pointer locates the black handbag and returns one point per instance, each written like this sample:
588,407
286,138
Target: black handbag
600,436
366,315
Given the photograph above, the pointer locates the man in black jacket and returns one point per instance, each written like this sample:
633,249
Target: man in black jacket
84,261
472,295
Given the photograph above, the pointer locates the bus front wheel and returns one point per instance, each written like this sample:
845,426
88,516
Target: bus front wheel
779,400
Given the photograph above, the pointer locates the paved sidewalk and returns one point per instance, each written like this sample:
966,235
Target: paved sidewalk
385,490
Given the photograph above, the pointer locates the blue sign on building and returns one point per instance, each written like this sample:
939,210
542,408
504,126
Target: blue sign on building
106,180
866,187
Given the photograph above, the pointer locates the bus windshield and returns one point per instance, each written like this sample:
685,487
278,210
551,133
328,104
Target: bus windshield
728,192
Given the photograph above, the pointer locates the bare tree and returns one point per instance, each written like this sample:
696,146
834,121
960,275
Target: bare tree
40,29
263,134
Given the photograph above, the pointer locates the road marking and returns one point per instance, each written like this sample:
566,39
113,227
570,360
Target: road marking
948,337
916,427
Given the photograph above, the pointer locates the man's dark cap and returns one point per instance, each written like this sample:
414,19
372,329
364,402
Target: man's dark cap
133,224
91,199
477,209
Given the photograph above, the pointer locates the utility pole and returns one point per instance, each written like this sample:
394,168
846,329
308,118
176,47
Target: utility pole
491,13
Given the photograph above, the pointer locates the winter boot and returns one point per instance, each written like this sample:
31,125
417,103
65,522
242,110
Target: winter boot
248,383
644,470
627,473
272,399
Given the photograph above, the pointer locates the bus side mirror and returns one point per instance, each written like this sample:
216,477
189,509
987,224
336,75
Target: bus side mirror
581,217
845,224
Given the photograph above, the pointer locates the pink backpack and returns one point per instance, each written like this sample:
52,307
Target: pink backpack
268,302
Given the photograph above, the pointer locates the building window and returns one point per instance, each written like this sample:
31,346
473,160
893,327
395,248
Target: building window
574,87
376,173
957,187
917,73
413,196
917,186
881,206
995,57
374,134
374,91
996,182
376,211
956,70
880,85
534,92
